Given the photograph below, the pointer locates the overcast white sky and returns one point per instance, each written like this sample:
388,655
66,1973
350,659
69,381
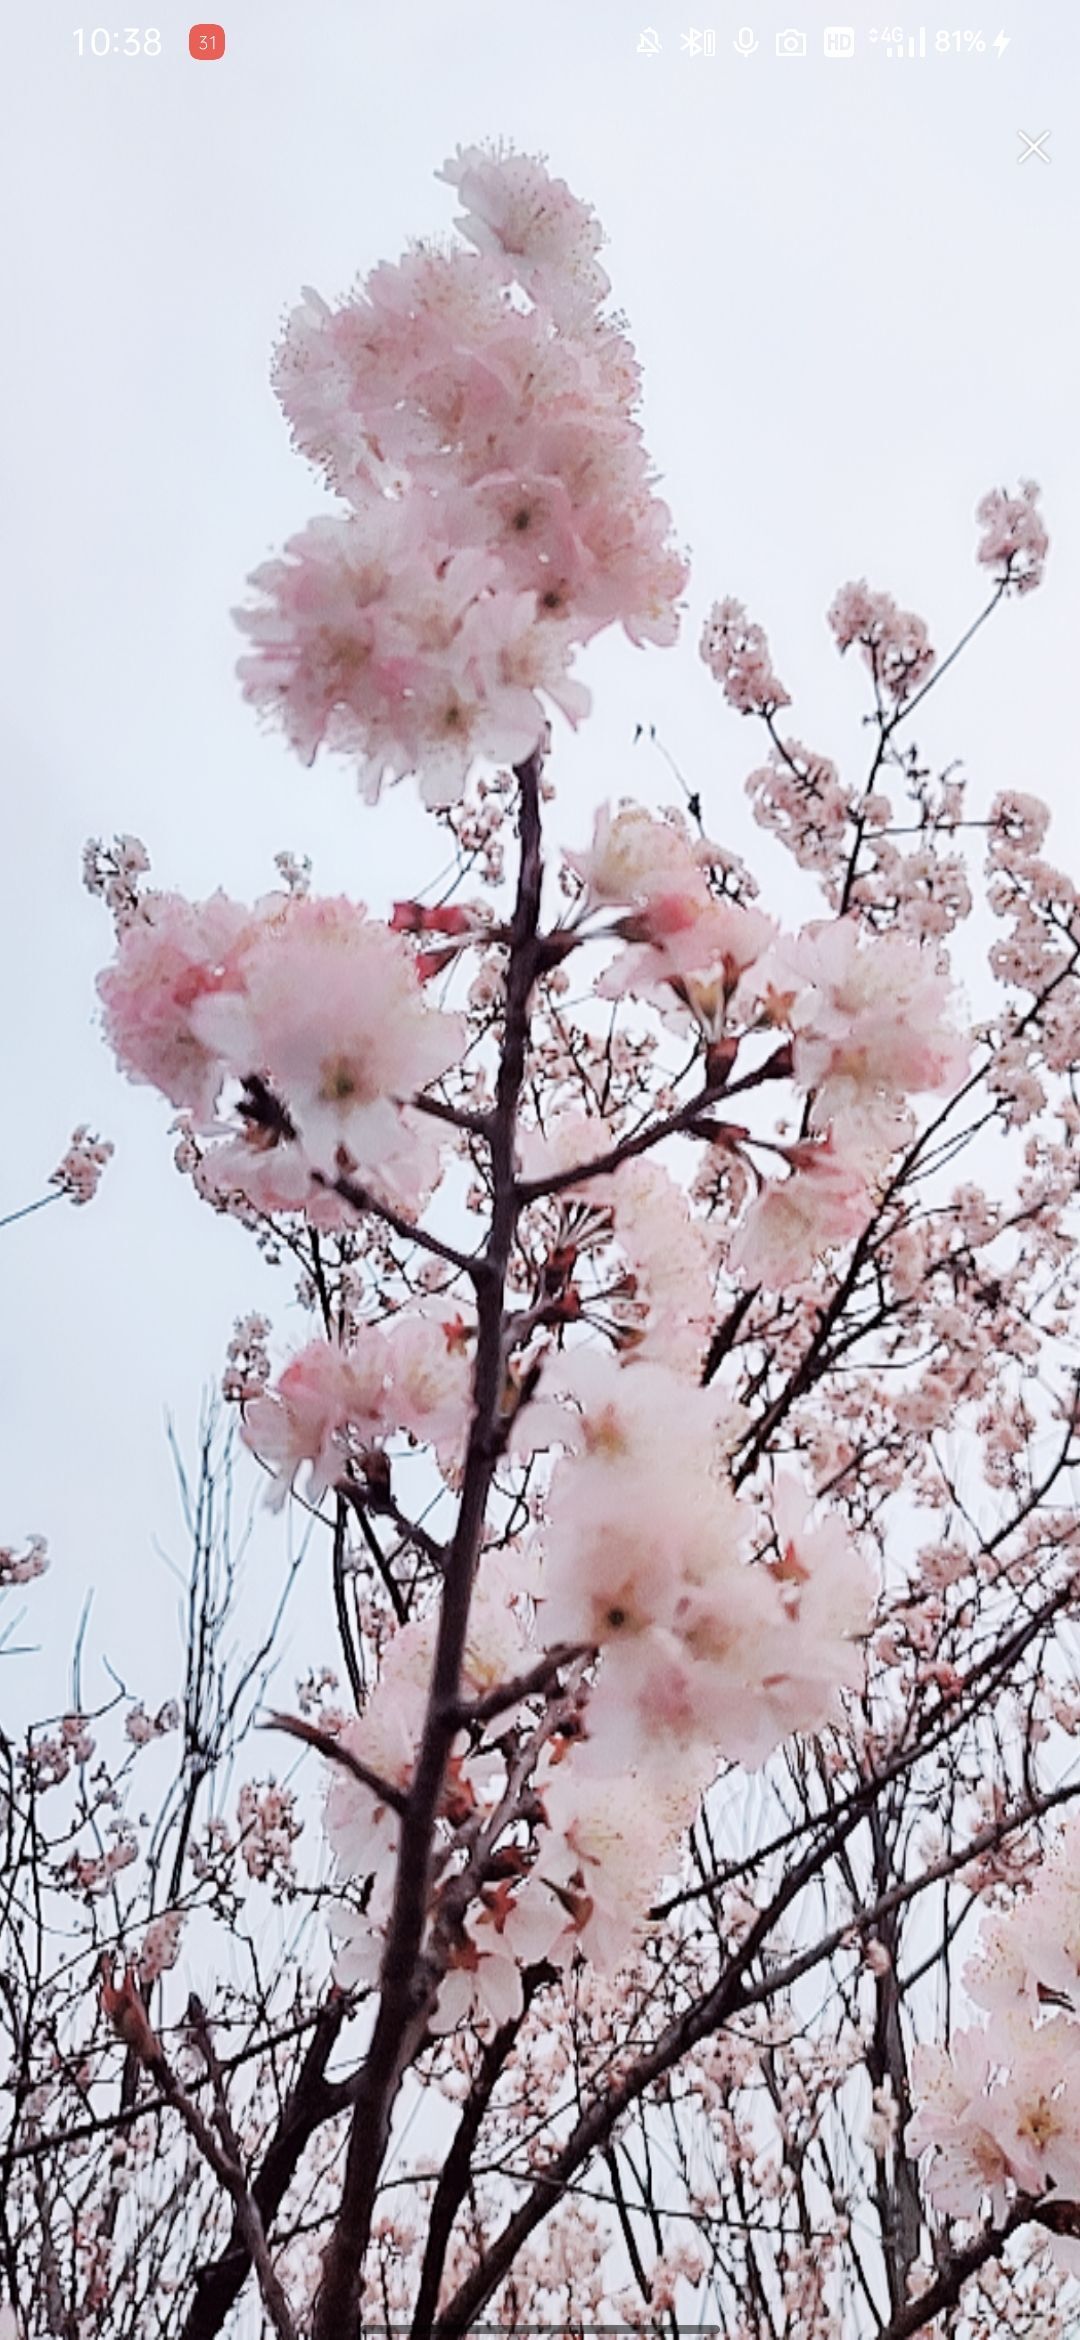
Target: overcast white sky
855,310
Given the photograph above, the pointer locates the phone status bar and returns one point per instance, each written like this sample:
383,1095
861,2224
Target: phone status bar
839,43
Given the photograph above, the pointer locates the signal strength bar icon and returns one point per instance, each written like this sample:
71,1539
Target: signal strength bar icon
911,45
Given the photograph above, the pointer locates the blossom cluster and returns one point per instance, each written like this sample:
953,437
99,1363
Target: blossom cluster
247,1368
115,873
333,1407
475,412
79,1173
654,1263
95,1874
141,1727
720,1629
868,1023
850,841
622,1435
314,1008
1014,542
18,1568
998,2110
50,1756
268,1827
160,1947
584,1883
894,642
736,652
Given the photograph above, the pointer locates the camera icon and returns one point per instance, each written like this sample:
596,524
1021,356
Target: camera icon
791,44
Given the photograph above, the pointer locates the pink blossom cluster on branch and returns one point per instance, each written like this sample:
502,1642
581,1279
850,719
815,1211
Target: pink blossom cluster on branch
670,1409
17,1568
308,997
475,412
79,1173
998,2110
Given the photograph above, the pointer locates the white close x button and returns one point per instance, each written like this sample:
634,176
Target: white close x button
1034,146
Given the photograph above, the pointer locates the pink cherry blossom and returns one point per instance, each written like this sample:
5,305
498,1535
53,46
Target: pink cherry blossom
794,1221
872,1021
736,651
167,959
1001,2107
1000,1976
1001,2111
270,1175
404,656
360,1826
161,1946
641,1411
717,1421
674,1259
744,1709
18,1568
689,948
1033,1946
952,2118
633,857
480,1985
332,1404
534,228
1014,542
327,1406
894,642
650,1694
828,1591
428,1357
115,873
708,1685
79,1173
800,797
617,1556
326,1005
1036,2112
500,1642
612,1559
646,1554
608,1845
502,505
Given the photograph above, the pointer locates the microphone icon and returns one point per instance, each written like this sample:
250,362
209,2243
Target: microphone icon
744,42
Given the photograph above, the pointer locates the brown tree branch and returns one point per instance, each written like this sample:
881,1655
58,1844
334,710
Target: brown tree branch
360,1198
686,1119
407,1986
229,2168
508,1694
957,2271
730,1995
309,2103
456,2172
325,1744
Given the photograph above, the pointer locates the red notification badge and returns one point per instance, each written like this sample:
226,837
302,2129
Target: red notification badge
206,41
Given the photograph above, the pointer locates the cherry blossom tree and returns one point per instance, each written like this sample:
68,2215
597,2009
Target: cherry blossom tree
658,1909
